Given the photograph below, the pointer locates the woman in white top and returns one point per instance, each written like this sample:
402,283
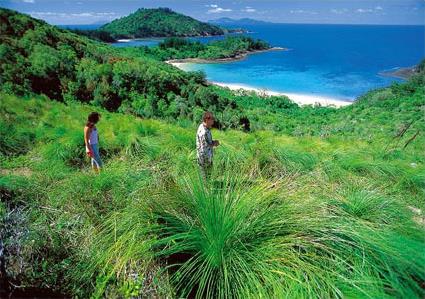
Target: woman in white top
91,139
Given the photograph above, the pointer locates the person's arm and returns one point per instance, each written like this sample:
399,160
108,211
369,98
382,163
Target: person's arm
87,131
208,139
213,143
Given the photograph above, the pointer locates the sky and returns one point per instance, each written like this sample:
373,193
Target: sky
382,12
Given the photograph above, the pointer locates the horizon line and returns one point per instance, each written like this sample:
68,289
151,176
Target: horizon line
267,22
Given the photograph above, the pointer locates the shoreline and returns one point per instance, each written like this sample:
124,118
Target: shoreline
400,73
298,98
126,40
237,57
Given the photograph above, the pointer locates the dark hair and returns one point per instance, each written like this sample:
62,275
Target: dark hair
207,115
93,118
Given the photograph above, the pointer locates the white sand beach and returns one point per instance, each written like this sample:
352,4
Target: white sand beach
180,65
301,99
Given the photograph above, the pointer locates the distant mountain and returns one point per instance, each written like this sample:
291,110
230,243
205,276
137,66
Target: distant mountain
237,22
100,22
160,22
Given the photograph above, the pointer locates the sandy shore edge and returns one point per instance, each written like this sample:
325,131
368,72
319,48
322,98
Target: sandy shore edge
238,57
300,99
401,72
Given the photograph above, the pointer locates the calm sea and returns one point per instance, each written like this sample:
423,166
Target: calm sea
339,61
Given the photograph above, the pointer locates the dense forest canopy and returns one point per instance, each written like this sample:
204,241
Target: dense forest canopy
158,22
180,48
95,34
40,58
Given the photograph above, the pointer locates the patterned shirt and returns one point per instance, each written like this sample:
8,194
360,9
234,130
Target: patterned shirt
204,145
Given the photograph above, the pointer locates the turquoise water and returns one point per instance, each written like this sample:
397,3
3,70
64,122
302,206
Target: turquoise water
339,61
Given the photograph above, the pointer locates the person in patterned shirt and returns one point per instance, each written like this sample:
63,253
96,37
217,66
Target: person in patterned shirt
205,144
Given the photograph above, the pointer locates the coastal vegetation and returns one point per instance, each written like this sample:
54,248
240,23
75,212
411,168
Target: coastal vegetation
39,58
159,22
230,48
96,34
309,202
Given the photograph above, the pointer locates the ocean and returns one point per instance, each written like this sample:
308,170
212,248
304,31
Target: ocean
335,61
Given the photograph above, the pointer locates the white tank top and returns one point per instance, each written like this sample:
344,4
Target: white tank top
94,137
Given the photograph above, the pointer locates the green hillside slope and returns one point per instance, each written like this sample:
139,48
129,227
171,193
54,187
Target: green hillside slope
159,22
36,57
287,216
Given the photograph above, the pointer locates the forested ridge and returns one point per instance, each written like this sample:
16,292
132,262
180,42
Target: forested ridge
159,22
40,58
230,47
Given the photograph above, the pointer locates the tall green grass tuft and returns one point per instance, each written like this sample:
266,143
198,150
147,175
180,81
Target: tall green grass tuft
369,205
280,217
119,250
243,238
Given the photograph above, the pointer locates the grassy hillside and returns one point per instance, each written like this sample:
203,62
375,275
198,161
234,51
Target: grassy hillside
158,23
283,216
313,202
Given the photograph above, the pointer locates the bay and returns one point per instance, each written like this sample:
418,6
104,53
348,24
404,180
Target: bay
335,61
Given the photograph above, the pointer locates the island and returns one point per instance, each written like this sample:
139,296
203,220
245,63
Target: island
154,23
180,50
237,22
159,22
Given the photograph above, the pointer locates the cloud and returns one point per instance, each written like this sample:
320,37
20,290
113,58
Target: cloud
41,14
64,15
249,9
28,1
364,10
339,11
216,9
301,11
377,9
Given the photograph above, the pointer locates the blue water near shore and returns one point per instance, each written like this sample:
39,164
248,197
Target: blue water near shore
148,42
81,27
338,61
